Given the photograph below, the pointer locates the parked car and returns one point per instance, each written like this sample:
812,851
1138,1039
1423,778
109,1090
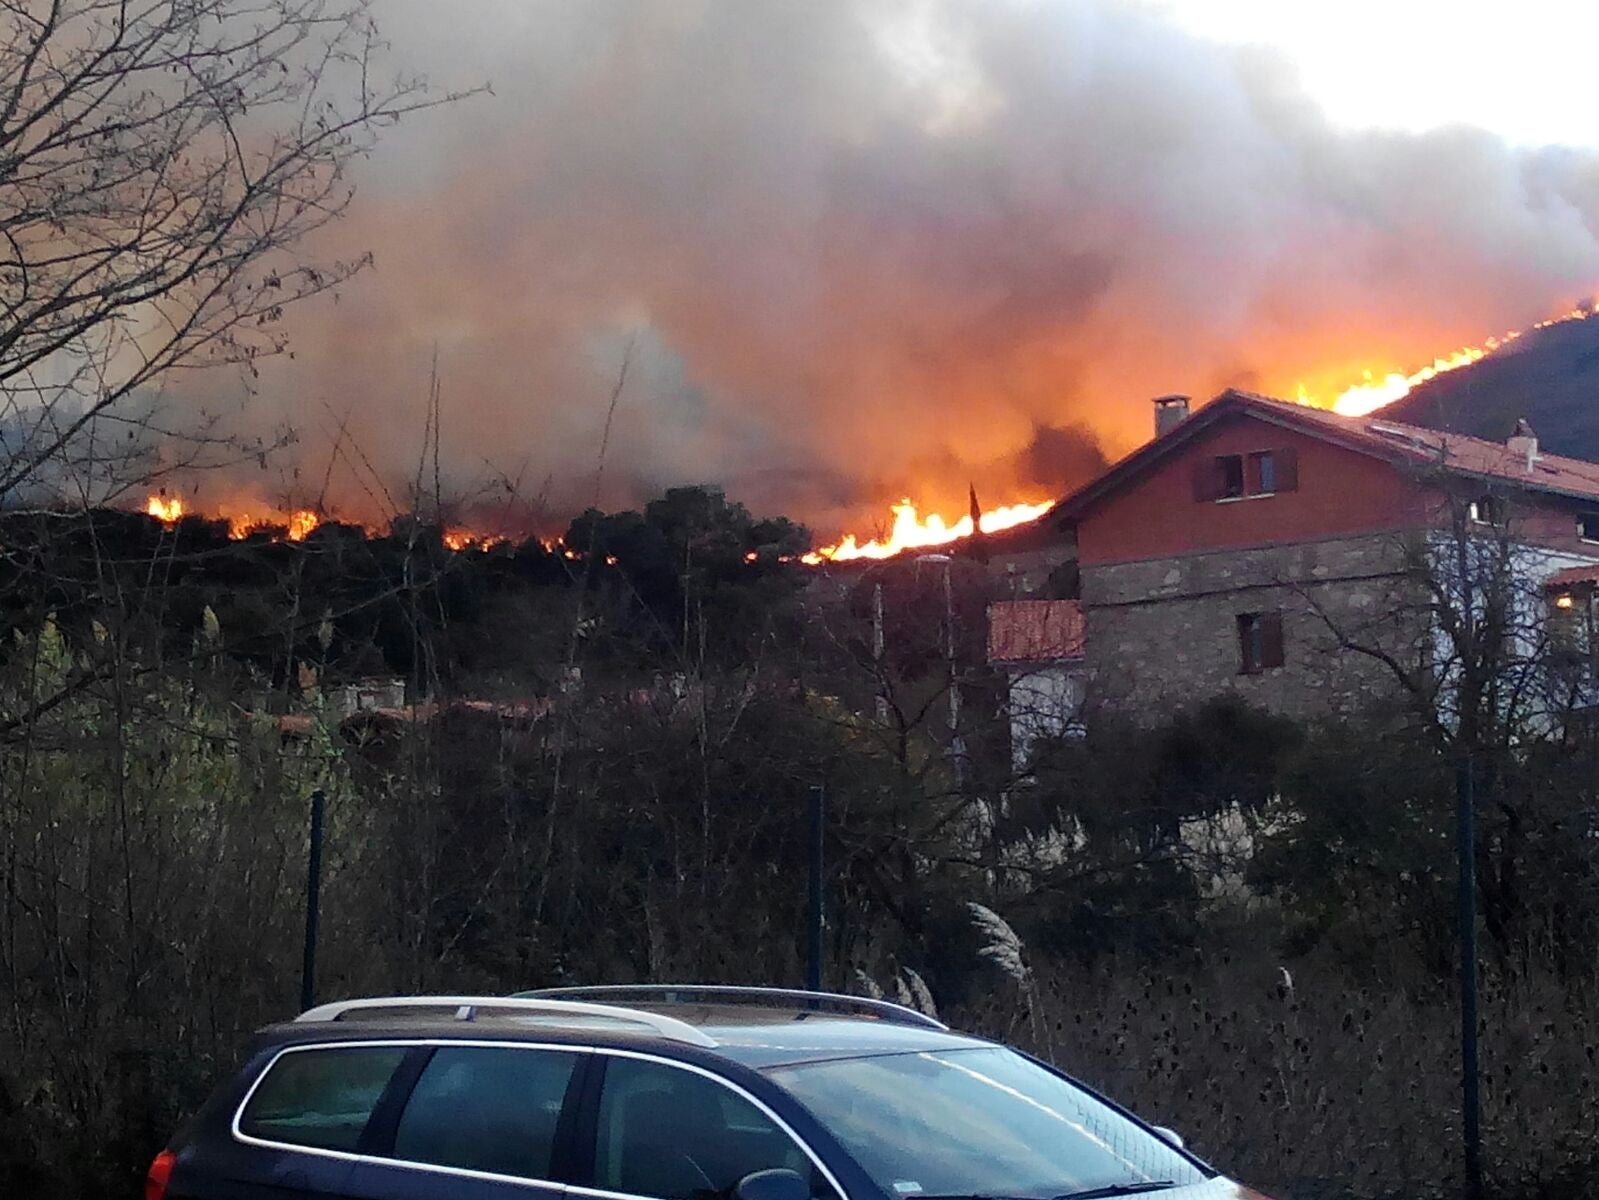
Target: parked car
677,1093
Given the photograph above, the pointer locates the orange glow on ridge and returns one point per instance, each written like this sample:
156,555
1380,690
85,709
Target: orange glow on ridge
1374,391
912,531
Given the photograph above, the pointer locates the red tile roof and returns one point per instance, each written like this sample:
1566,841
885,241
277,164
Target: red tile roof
1573,575
1035,630
1454,452
1402,444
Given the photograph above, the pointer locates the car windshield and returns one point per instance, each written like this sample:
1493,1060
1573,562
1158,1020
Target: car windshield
983,1122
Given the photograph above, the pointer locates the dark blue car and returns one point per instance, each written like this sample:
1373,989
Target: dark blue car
682,1093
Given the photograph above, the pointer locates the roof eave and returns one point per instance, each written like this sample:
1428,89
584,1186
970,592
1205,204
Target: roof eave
1231,401
1276,412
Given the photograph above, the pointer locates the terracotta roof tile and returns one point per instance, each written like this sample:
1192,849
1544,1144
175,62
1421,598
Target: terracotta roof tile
1451,451
1035,630
1395,441
1573,575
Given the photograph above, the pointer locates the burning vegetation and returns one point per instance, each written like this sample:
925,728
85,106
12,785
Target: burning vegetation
1377,391
295,525
908,528
911,531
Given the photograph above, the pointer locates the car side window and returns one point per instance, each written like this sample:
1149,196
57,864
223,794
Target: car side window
484,1108
321,1098
674,1134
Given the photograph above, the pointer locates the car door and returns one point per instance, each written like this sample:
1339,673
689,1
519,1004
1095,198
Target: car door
664,1130
481,1121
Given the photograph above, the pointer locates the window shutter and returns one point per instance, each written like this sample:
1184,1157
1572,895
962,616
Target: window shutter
1287,464
1271,639
1207,478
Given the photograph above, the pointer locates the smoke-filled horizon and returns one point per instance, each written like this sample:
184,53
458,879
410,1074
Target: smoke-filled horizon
858,249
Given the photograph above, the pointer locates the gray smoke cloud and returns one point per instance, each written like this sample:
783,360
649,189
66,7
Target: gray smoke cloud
865,248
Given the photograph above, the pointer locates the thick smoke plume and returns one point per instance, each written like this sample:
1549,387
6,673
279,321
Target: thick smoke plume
854,249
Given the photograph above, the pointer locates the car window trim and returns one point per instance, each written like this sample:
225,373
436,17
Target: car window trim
588,1130
1210,1172
377,1139
430,1044
1127,1113
583,1114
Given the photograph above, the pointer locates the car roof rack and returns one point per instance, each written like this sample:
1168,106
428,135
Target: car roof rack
710,993
473,1008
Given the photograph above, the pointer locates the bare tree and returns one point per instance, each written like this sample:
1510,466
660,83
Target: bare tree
1465,631
160,162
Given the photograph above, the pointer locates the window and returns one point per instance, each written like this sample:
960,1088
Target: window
321,1097
667,1132
486,1108
981,1122
1573,636
1588,526
1260,642
1234,476
1485,510
1262,473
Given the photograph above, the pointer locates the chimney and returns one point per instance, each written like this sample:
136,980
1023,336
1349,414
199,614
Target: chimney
1524,442
1170,412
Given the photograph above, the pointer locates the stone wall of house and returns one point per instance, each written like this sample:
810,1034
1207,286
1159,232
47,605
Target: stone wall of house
1164,633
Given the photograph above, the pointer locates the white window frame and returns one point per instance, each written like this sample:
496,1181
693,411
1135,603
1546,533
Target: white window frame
379,1160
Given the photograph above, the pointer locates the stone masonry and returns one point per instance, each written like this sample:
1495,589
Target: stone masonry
1152,623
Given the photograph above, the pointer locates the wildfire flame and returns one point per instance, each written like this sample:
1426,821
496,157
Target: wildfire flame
294,525
1373,392
297,525
458,539
166,509
911,531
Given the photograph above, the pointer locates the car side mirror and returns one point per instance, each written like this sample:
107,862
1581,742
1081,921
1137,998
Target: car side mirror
1170,1135
777,1184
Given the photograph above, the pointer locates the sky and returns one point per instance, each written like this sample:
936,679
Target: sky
860,250
1523,71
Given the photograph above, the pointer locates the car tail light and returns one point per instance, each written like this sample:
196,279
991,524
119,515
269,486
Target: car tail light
155,1183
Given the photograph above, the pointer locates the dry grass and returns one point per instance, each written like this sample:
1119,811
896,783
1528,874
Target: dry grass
1323,1087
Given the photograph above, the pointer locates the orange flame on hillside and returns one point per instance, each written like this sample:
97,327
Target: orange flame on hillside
911,531
166,509
293,525
1375,391
458,539
296,526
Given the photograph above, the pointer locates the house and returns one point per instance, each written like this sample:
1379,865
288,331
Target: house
1276,551
1038,646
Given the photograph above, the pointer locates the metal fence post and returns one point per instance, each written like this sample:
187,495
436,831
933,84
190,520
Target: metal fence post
1470,1096
313,902
813,972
